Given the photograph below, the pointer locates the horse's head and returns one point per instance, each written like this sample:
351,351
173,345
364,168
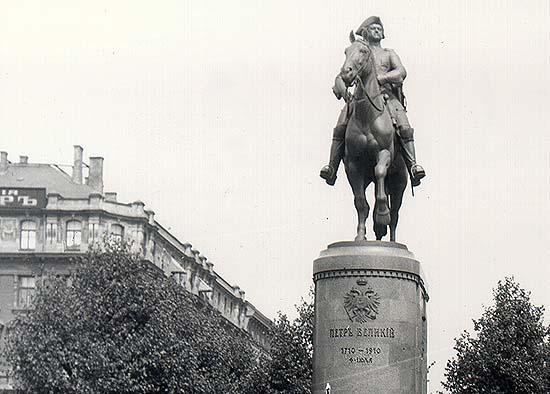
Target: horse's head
358,56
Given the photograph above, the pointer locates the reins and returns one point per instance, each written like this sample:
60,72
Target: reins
367,96
358,78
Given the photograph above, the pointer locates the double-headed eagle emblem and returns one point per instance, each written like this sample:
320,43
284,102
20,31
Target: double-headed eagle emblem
361,303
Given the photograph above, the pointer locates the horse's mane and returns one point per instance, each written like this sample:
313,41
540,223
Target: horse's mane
362,41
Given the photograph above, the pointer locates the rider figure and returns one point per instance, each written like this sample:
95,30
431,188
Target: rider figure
390,73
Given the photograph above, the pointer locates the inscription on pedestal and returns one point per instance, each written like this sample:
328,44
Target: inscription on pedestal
361,355
355,345
361,342
369,332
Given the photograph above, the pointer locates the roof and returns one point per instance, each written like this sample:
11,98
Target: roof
47,176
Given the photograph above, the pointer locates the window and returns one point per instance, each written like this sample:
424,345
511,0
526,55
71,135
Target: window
93,232
25,291
182,276
51,233
137,236
74,234
28,235
4,333
117,232
215,298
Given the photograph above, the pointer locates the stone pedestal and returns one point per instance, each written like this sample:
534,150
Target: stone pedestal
370,320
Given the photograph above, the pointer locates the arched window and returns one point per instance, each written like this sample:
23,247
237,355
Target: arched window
28,235
74,234
117,232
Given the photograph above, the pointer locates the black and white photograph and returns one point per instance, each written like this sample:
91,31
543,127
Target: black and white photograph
274,197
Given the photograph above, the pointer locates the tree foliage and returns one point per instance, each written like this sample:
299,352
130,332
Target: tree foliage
119,326
510,351
290,369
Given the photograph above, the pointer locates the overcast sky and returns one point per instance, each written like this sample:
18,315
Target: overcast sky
219,114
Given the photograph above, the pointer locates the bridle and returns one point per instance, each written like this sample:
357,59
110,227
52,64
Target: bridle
360,81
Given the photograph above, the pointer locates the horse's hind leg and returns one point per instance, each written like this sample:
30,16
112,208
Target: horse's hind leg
396,186
358,186
382,209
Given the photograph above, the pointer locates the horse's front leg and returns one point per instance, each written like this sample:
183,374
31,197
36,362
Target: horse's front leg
356,180
381,208
362,207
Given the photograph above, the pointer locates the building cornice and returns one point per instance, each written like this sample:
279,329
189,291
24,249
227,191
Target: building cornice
183,253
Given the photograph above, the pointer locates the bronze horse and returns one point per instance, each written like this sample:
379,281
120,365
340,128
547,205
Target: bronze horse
372,152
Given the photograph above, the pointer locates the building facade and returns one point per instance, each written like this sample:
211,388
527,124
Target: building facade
51,216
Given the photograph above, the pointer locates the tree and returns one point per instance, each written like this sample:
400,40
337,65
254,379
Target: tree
291,352
510,351
118,325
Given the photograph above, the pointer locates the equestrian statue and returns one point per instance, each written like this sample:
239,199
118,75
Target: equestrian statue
373,136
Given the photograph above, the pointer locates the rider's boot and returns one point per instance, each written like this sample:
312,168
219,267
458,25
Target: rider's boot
416,171
328,172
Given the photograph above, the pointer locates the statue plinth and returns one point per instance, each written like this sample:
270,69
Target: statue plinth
370,320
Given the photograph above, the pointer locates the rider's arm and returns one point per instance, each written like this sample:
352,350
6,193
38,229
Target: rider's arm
397,73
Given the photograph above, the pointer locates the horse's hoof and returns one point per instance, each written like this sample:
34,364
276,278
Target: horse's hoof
382,218
360,237
380,230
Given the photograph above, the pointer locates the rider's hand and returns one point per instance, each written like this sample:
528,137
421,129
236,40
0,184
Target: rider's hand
339,89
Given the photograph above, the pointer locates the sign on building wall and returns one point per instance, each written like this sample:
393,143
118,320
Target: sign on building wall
8,229
22,197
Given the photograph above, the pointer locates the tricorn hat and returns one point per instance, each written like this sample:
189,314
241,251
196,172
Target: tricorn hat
369,21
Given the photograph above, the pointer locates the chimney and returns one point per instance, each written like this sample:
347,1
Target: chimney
3,161
110,196
150,216
77,166
95,175
23,159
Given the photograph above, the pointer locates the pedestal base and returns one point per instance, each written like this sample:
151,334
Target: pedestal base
370,320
